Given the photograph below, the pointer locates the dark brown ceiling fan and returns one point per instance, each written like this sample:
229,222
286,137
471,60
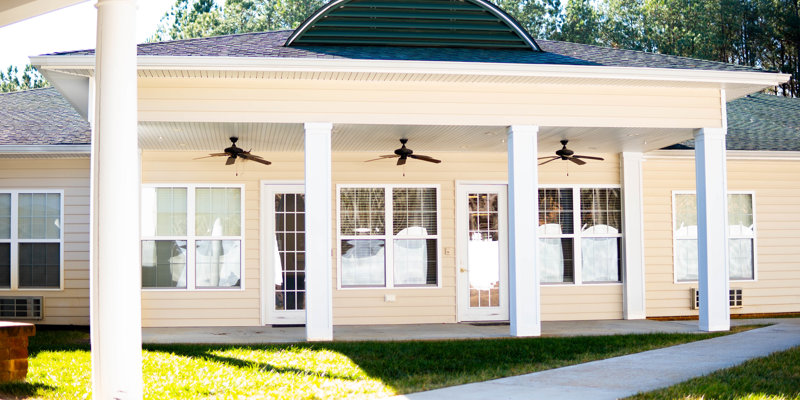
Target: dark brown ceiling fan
234,152
404,153
566,154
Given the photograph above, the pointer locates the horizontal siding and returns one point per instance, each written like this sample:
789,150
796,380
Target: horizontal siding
436,103
69,306
363,306
777,208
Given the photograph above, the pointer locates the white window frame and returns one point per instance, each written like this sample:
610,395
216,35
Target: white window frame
388,237
675,239
14,239
576,234
191,238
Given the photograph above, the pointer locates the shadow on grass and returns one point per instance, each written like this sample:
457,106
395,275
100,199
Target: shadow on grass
206,353
22,390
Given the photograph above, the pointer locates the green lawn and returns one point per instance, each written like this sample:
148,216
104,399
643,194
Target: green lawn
59,365
775,377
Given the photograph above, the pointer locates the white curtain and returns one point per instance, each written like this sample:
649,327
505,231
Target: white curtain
600,255
551,255
411,257
363,263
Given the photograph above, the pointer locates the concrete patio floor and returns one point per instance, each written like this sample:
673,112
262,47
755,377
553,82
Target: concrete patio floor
282,334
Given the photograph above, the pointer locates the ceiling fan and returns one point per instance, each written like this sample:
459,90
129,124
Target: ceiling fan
404,153
566,154
234,152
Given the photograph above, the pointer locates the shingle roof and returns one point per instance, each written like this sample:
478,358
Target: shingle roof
40,117
270,45
761,122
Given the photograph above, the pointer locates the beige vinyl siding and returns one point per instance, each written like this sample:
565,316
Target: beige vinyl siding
363,306
436,103
70,305
776,191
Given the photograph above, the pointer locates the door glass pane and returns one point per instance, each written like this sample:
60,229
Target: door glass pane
218,212
483,250
5,265
289,251
363,262
163,263
5,215
218,263
39,265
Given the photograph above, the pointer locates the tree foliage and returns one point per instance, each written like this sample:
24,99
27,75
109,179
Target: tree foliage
12,80
757,33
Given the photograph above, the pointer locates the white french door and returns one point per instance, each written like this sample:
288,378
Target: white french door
283,253
482,252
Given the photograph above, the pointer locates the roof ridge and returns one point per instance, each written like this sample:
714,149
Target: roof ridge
28,90
179,40
651,53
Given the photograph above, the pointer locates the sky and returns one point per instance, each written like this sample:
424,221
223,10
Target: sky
70,28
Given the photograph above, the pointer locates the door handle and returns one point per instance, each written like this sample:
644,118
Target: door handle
463,269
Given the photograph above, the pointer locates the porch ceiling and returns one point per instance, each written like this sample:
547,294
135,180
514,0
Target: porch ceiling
203,136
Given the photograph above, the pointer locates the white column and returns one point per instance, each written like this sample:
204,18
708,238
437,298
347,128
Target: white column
523,218
712,229
116,328
633,294
319,296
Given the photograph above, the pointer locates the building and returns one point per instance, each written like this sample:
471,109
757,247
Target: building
421,242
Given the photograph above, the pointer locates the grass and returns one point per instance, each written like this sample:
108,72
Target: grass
775,377
59,365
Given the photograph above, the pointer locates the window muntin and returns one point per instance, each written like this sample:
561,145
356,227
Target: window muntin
192,237
388,236
31,239
741,236
580,235
601,242
556,236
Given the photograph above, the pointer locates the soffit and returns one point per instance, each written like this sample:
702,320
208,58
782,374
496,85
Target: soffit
382,139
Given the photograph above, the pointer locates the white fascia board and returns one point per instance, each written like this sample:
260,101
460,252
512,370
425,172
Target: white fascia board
732,155
12,11
46,149
255,64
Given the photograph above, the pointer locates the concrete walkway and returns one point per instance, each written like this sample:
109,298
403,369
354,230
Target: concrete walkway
268,334
627,375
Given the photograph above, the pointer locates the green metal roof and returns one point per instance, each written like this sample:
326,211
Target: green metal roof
413,23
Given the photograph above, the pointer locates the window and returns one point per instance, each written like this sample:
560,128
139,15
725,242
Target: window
580,235
191,237
31,239
389,236
741,236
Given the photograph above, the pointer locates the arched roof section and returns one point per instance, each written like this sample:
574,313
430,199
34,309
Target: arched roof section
413,23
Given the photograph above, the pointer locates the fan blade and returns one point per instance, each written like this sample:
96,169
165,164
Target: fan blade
589,158
230,160
542,158
401,161
576,161
253,157
212,155
552,159
383,157
424,158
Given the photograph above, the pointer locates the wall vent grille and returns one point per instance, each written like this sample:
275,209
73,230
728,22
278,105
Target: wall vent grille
735,296
21,307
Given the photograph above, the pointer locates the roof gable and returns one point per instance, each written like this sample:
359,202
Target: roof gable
413,23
